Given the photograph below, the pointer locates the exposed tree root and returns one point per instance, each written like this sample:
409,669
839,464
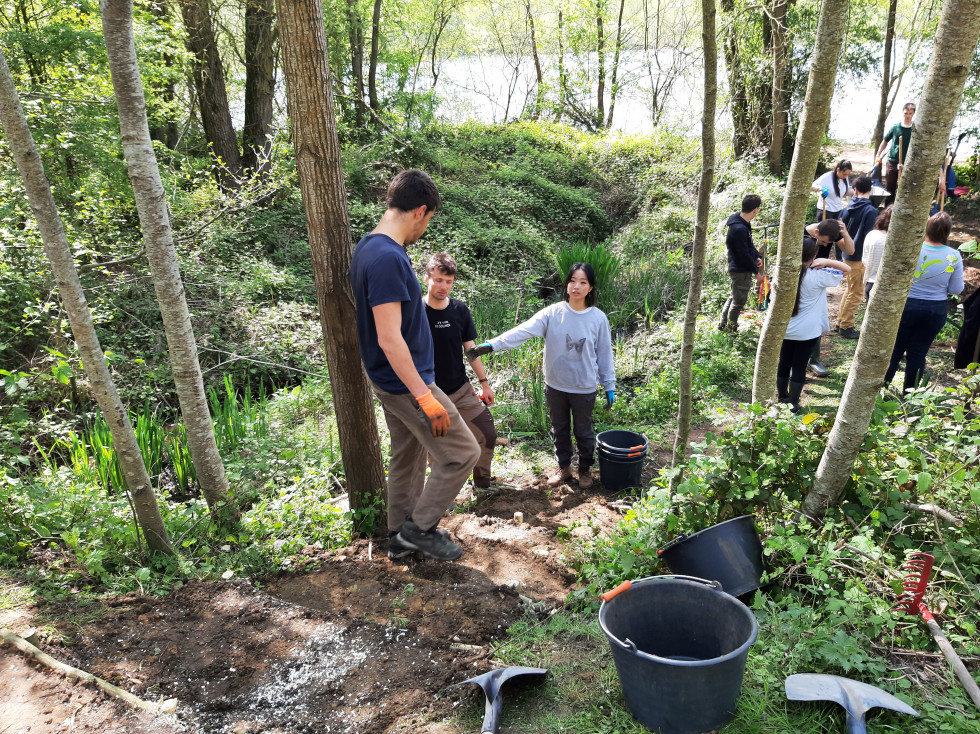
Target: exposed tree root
163,707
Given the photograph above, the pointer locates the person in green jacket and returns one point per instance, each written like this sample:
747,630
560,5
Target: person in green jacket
898,137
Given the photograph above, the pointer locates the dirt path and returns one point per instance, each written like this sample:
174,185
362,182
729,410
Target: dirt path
364,645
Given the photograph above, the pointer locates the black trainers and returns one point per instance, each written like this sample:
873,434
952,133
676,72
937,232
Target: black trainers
431,543
397,549
850,333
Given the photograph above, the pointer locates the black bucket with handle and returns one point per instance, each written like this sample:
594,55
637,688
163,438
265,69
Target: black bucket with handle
621,455
680,645
729,552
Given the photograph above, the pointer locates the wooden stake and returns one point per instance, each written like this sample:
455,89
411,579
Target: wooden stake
163,707
900,162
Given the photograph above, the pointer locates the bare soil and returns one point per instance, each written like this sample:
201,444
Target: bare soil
363,644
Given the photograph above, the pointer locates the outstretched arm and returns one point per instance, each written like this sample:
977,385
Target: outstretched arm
486,392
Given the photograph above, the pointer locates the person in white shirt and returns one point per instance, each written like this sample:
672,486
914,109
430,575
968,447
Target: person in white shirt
874,246
833,186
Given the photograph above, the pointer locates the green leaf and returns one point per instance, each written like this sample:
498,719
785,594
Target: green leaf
924,480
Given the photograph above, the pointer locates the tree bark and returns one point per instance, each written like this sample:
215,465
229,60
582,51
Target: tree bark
151,204
738,96
373,64
709,41
355,31
886,76
56,247
321,181
538,73
166,132
600,47
779,96
813,124
209,81
562,73
614,85
959,31
260,84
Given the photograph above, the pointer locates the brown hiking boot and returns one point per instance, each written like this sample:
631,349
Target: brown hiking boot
561,476
584,477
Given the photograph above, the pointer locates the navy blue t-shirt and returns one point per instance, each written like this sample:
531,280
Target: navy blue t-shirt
381,272
450,327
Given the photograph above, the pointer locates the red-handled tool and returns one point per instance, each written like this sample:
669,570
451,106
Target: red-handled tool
919,566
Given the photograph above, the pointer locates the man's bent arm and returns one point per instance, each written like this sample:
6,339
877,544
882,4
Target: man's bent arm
388,321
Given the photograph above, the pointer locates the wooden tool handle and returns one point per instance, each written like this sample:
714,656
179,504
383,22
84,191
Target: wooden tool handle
954,660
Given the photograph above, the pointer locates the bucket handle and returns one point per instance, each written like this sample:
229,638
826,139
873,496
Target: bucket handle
680,538
627,585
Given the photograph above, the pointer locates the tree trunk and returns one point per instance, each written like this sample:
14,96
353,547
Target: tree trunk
813,124
600,47
356,34
562,74
738,97
886,77
321,181
56,247
209,81
779,96
151,204
260,84
373,65
614,86
959,31
166,132
709,40
538,73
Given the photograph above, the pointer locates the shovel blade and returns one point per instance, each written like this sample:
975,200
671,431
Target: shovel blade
491,683
856,697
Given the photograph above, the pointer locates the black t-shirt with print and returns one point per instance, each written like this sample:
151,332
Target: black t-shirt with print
450,327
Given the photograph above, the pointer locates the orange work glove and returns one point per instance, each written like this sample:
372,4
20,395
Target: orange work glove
437,416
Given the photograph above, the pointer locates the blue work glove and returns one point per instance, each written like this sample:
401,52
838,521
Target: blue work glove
824,192
478,351
610,398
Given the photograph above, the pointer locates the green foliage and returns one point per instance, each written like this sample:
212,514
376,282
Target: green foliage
605,264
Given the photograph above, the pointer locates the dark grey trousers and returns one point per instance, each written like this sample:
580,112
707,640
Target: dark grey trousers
572,411
741,285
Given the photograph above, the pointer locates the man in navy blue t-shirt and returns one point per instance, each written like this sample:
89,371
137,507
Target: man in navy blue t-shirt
451,324
396,349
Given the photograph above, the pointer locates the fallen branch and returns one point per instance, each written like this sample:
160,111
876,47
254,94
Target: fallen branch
163,707
935,510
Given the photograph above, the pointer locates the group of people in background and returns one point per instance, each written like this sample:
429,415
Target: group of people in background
413,351
857,234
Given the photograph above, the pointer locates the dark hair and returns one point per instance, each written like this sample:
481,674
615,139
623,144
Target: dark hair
938,228
809,252
842,165
751,202
863,184
829,228
908,104
411,189
884,219
441,261
593,295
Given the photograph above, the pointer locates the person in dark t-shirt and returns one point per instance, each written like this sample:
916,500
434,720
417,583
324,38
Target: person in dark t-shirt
453,331
396,349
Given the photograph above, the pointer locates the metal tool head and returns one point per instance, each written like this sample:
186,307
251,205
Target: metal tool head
856,697
917,569
491,683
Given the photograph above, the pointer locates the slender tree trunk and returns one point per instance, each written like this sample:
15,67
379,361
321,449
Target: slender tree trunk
166,132
151,203
959,31
886,76
59,253
813,125
562,74
321,180
600,47
373,65
260,84
779,42
356,35
738,96
209,81
614,85
538,73
709,40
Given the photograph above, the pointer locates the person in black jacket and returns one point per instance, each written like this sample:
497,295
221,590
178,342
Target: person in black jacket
744,261
859,217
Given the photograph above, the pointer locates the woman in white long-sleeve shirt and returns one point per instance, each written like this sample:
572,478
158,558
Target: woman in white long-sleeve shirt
577,358
874,247
833,186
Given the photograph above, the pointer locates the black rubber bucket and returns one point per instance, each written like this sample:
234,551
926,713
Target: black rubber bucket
680,646
621,443
620,472
729,553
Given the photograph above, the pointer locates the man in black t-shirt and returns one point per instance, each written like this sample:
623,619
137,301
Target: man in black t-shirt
453,331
